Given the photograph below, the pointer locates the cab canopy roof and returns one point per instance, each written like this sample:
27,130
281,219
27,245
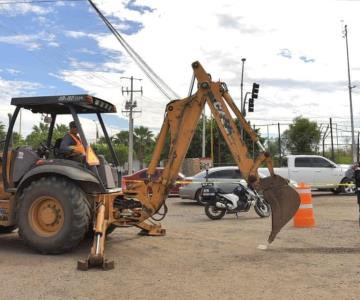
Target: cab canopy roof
83,104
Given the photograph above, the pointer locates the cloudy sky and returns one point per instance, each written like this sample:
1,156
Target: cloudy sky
294,49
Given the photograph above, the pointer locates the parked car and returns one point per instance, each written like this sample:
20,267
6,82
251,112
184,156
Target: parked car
226,178
320,172
141,175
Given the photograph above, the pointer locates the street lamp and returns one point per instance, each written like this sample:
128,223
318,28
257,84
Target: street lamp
242,107
241,84
353,154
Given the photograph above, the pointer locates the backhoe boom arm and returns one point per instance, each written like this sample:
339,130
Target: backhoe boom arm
142,199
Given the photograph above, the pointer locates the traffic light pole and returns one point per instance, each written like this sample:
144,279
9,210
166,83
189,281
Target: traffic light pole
244,104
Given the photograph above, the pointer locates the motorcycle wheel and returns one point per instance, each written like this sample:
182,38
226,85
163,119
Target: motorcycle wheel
262,208
213,212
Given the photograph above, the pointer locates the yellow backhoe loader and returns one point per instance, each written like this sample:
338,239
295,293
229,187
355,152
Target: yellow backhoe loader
53,201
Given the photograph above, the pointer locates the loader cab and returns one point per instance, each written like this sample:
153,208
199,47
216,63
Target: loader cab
93,172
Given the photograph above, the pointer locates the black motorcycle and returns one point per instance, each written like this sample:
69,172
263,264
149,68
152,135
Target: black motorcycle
219,203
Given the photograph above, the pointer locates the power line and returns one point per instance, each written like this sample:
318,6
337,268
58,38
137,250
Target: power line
153,77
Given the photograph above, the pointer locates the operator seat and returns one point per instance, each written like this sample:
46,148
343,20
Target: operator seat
57,152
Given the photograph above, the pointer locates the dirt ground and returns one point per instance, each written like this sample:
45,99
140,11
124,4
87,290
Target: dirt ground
202,259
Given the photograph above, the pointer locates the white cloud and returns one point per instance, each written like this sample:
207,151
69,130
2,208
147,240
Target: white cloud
86,51
31,41
24,8
10,89
81,64
13,71
75,34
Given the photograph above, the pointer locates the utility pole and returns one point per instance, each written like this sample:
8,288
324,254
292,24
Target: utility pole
130,105
211,140
20,121
332,141
203,134
353,155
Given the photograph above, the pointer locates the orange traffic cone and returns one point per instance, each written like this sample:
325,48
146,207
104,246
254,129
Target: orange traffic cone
304,217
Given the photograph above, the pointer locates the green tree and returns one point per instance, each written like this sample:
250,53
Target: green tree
143,142
121,152
38,135
122,137
2,131
59,131
101,140
302,137
17,140
2,135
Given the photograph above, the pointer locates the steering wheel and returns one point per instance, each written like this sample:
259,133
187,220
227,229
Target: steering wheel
44,150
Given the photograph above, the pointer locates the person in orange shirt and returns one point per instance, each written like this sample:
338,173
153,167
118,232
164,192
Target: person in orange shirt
71,145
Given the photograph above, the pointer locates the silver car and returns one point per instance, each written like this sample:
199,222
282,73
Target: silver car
226,178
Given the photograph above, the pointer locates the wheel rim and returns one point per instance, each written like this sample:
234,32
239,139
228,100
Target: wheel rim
215,211
46,216
349,187
262,207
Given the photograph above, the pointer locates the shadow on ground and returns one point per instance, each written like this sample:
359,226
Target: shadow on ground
319,250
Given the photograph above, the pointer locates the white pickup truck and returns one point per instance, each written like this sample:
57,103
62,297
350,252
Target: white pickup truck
320,172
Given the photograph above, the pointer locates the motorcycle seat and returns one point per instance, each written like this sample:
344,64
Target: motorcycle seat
220,191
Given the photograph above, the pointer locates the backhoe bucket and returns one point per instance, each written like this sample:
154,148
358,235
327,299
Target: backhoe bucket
283,199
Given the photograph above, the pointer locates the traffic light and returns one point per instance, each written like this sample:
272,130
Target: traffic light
251,105
255,90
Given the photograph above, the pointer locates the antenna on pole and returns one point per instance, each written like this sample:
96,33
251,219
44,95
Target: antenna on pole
130,105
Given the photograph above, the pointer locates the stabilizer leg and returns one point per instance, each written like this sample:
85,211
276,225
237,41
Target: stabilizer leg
96,258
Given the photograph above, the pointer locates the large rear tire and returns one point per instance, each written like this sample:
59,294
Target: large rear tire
213,212
53,215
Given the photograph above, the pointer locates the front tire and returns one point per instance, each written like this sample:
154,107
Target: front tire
198,198
213,212
53,215
348,186
262,208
